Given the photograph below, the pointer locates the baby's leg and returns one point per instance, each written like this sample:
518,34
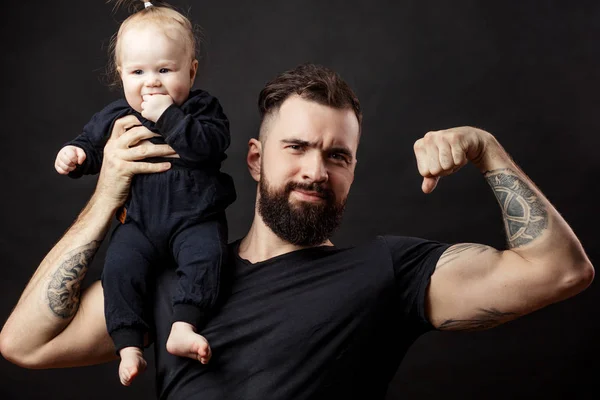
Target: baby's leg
125,280
199,251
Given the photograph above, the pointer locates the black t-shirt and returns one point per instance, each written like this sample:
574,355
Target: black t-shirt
324,322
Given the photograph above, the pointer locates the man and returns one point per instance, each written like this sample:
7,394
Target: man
299,317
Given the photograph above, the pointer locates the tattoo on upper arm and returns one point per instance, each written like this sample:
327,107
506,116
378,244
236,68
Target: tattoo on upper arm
453,252
64,289
487,318
525,215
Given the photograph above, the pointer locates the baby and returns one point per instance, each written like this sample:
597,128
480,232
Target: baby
178,214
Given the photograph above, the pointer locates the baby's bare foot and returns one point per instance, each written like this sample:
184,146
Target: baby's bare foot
132,364
183,341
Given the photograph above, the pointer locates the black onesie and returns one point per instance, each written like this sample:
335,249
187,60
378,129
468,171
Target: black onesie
178,214
320,323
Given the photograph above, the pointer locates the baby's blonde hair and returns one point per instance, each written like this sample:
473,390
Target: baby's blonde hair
161,14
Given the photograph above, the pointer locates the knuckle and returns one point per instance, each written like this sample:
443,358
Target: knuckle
142,150
435,170
453,138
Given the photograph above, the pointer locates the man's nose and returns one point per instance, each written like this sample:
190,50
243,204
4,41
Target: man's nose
314,168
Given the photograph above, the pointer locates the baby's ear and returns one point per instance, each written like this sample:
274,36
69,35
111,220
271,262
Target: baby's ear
193,70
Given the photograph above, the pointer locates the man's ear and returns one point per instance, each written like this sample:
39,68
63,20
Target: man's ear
193,71
254,158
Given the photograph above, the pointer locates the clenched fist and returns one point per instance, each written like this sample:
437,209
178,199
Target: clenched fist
68,158
154,105
441,153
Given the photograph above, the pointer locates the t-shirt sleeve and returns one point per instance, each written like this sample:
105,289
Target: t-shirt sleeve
414,261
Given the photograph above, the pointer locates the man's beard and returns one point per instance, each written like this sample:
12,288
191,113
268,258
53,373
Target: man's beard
302,223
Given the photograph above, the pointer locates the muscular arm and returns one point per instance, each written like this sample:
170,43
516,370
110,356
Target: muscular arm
54,324
478,287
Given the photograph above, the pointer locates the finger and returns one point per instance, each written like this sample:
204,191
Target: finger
80,156
458,155
68,158
148,168
64,157
135,135
429,184
124,124
146,150
421,156
60,170
69,153
432,159
445,157
62,165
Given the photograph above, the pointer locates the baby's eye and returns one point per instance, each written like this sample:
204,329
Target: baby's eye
137,72
164,70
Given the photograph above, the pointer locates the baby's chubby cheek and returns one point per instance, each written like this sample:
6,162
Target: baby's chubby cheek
179,98
179,94
134,101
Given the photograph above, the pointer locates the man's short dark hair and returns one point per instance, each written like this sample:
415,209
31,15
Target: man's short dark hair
311,82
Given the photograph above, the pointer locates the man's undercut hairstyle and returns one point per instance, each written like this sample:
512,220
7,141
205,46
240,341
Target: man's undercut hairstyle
311,82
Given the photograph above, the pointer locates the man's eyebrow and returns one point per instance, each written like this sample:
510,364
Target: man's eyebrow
299,142
304,143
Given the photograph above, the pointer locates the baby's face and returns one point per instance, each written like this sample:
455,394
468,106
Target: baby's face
152,62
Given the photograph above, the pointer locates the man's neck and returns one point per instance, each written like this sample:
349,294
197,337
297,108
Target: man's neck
261,243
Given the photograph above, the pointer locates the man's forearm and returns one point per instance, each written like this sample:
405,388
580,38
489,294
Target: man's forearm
54,324
534,228
53,294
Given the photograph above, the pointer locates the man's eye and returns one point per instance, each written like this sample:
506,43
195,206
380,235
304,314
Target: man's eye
164,70
338,157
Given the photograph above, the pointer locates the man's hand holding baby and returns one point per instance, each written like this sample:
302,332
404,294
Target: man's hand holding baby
68,158
153,105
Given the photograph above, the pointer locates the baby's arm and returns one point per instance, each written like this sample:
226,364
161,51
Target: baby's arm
198,131
83,155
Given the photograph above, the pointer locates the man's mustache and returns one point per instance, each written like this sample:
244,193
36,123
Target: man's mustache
322,191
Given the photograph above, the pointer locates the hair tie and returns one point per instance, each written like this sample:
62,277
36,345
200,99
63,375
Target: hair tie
147,4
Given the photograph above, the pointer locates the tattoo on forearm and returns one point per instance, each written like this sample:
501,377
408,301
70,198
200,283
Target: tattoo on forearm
525,215
64,289
454,252
487,318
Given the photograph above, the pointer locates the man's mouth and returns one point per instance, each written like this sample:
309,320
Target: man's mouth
308,195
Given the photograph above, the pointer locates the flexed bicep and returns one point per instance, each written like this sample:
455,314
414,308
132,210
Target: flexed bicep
476,287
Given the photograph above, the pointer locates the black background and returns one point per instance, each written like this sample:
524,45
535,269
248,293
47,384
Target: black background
527,71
